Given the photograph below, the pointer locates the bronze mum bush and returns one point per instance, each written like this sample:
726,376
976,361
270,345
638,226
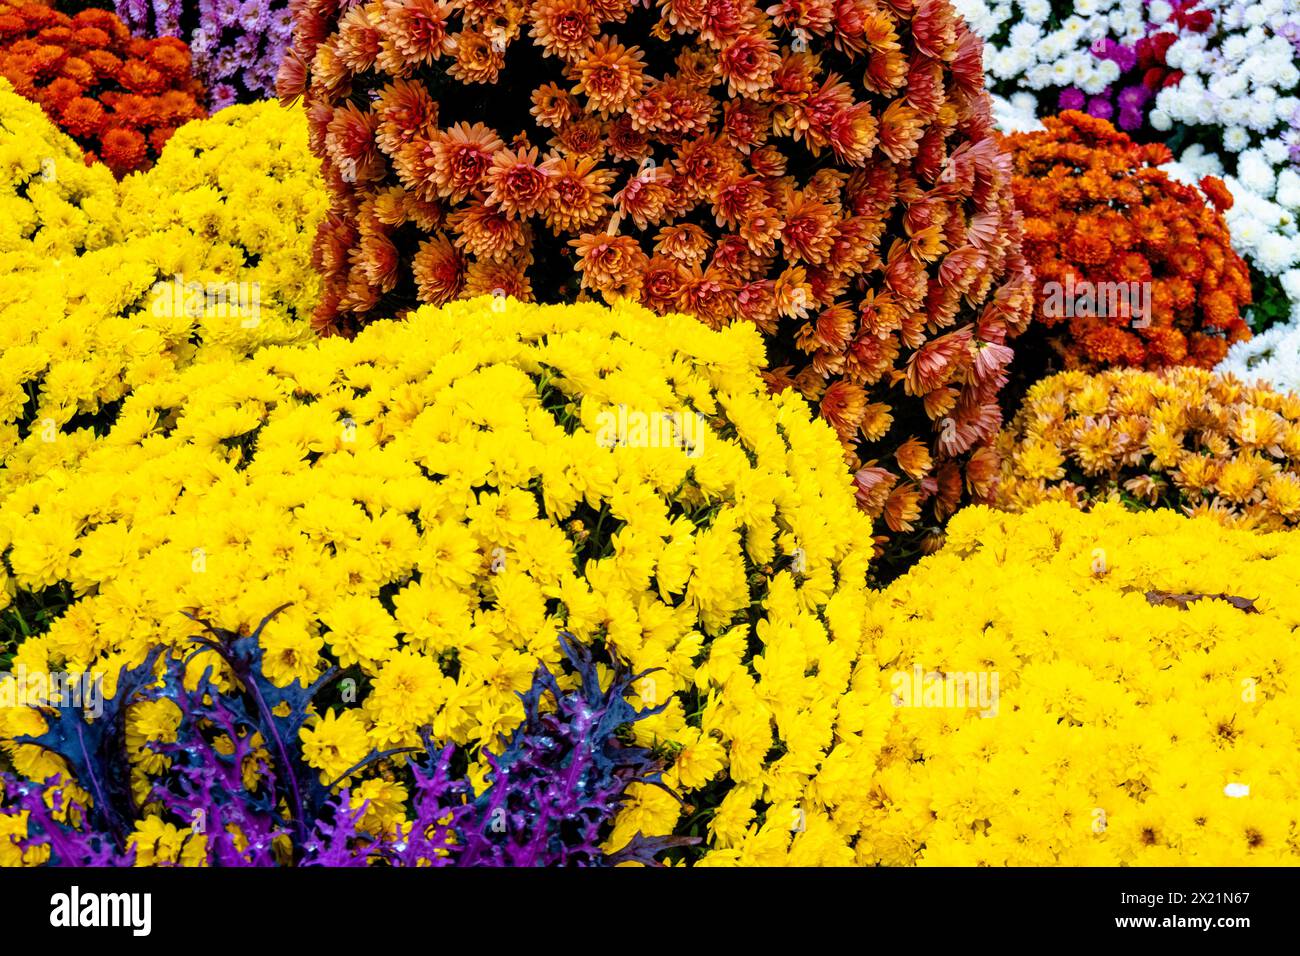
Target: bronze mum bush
824,169
1182,437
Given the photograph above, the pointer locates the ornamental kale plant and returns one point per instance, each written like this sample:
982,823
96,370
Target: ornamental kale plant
234,789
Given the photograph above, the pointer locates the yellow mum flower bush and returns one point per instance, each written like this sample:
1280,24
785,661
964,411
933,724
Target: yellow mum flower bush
51,203
205,256
436,500
1103,688
245,178
1184,438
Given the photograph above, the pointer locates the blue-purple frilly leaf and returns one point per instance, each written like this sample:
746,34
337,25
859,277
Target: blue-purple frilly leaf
95,751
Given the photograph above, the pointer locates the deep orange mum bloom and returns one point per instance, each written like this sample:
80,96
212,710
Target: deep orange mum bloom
664,288
83,118
122,149
843,404
351,145
578,194
169,56
462,156
516,183
406,111
439,270
1216,192
140,77
414,33
565,28
487,232
611,76
479,58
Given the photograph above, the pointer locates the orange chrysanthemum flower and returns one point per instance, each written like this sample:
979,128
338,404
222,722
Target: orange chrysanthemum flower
487,231
462,156
565,28
516,184
610,265
414,33
439,270
122,150
578,193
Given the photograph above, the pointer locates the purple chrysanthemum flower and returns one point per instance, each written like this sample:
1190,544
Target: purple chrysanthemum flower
1129,120
222,95
1100,107
1133,98
1072,98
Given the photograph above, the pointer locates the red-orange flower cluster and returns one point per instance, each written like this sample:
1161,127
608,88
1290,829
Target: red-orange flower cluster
119,97
1134,269
824,169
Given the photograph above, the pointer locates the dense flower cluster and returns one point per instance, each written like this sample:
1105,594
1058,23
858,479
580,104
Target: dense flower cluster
1241,76
1216,80
1238,105
52,204
1272,356
1133,267
437,499
237,44
824,171
107,286
119,97
228,785
1101,688
1104,57
1183,438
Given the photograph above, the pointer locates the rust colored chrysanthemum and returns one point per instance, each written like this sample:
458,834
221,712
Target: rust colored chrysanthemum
119,97
1133,268
824,169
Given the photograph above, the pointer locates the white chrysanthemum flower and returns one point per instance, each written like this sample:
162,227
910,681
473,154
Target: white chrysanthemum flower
1272,356
1025,103
1291,284
1256,172
1275,254
1013,117
1235,139
1288,189
1232,112
1026,34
